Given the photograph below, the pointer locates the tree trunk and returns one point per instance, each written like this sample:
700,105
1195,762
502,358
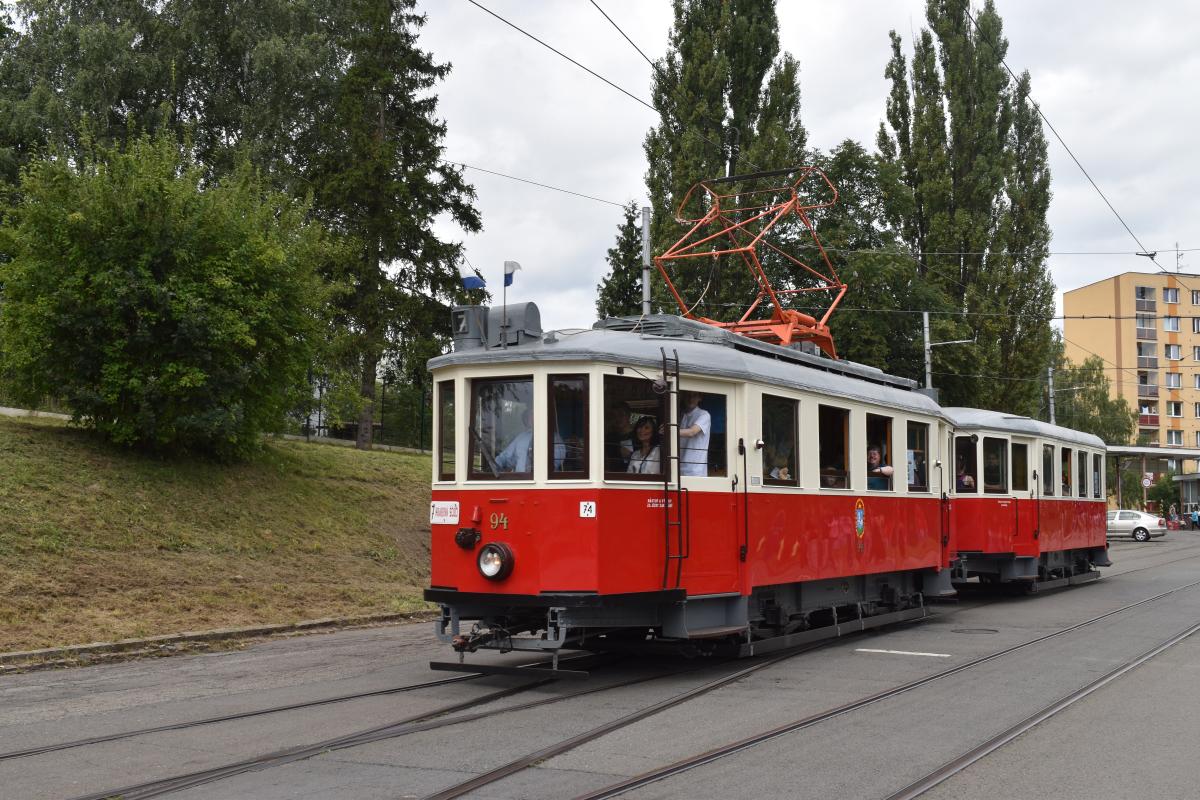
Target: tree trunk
366,419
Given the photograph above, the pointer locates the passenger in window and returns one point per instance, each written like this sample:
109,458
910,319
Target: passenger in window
962,481
778,455
879,475
618,439
518,456
993,473
645,459
695,427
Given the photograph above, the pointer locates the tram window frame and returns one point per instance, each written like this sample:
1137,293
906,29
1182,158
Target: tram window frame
447,440
474,437
1097,473
917,458
1067,477
999,447
1049,473
770,439
553,444
879,434
965,449
662,417
1081,463
716,404
832,475
1019,477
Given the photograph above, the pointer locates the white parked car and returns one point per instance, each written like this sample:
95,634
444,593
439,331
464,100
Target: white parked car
1136,524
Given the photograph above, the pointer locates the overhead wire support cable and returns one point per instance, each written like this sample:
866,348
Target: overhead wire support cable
536,183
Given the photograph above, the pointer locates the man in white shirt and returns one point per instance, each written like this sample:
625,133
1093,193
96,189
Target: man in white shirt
695,427
518,456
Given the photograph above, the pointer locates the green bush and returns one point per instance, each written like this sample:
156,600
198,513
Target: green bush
165,312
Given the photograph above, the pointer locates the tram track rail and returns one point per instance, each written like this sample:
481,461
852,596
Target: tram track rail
732,748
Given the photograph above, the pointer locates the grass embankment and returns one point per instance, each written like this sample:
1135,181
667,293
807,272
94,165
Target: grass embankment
99,544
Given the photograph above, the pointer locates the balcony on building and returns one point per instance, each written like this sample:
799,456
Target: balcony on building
1147,420
1145,305
1147,362
1147,390
1147,333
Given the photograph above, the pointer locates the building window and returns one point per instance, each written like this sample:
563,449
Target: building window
1196,409
1020,468
501,429
1175,437
1143,292
1172,352
779,441
879,453
1197,438
445,445
1195,324
833,433
634,414
1196,352
1148,408
1170,295
1196,380
1174,408
1171,324
918,457
1196,297
1174,380
1145,320
568,426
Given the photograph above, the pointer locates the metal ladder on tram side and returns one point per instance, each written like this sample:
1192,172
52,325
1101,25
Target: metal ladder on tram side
675,500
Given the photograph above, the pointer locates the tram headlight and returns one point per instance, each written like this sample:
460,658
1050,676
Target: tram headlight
495,561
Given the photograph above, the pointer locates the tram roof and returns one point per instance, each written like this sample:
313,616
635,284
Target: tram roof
978,418
706,351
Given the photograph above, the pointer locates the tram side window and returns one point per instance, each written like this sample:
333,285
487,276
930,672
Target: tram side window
1065,460
702,434
501,429
995,466
1020,468
918,457
634,414
965,472
1097,470
879,453
445,448
568,426
1048,470
779,441
1082,460
834,434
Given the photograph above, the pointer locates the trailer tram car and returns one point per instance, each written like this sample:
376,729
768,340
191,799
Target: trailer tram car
569,509
1028,502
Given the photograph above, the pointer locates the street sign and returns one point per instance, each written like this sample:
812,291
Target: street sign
1147,483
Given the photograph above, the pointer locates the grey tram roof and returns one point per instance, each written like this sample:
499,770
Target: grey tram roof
977,418
706,351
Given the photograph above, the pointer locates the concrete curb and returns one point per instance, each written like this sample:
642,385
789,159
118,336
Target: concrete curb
391,448
5,411
73,655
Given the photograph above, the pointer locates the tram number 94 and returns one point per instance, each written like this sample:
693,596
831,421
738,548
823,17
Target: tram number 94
499,521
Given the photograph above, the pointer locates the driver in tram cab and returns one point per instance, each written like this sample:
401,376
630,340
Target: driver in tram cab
518,456
695,427
879,475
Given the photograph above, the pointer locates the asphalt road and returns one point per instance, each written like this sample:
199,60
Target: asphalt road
1136,737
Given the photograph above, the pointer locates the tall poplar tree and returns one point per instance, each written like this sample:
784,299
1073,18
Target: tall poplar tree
726,97
966,156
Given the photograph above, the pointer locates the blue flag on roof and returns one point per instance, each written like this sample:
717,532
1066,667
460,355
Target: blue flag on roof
509,268
470,278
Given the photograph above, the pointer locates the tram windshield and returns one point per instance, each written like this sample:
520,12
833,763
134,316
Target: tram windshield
501,429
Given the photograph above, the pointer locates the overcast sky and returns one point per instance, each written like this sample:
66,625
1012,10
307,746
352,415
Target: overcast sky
1118,82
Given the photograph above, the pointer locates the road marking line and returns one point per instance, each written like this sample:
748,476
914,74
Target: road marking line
901,652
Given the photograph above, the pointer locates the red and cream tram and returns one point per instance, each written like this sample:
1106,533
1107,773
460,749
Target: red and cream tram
1028,500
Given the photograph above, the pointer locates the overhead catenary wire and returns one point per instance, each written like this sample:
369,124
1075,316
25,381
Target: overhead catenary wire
532,182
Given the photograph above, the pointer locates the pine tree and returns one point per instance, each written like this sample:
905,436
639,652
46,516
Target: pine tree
965,160
725,97
619,294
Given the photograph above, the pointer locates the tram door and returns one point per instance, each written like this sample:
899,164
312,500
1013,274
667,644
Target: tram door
1024,492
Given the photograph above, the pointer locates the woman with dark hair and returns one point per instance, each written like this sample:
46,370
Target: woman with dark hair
645,458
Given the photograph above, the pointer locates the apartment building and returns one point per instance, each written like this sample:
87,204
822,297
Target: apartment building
1148,332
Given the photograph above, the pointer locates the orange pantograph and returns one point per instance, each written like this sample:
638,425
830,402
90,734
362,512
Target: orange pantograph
742,212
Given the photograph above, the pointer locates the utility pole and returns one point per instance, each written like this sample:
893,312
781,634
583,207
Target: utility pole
645,261
929,349
1050,379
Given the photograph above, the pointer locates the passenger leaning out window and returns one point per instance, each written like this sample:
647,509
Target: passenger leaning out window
879,474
